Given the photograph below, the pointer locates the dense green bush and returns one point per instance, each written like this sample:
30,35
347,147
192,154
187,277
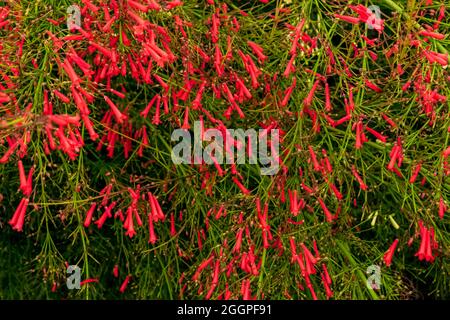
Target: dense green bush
86,176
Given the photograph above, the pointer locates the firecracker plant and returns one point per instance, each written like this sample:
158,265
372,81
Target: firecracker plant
360,101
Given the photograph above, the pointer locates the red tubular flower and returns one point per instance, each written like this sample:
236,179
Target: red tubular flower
202,266
245,290
313,158
406,86
293,202
138,6
309,266
91,280
351,103
288,93
433,243
376,134
219,169
219,212
102,49
336,191
359,142
442,208
328,291
265,227
328,106
428,248
156,118
18,218
215,23
241,186
116,271
172,4
293,247
107,214
79,101
301,263
124,285
427,244
215,279
431,34
308,255
237,246
29,188
415,173
373,86
243,88
423,244
326,274
89,214
173,232
297,34
117,114
390,253
374,57
117,93
83,65
4,97
70,72
145,112
310,287
358,178
21,218
307,188
446,152
46,109
433,57
328,166
129,223
152,236
316,250
395,153
199,241
308,100
251,261
218,60
290,66
440,17
156,208
342,120
89,127
23,179
138,218
258,51
327,212
186,119
349,19
389,121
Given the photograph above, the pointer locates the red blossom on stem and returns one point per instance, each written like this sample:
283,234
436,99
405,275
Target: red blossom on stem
390,253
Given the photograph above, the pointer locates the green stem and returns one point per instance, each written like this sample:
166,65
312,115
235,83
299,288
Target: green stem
260,280
361,275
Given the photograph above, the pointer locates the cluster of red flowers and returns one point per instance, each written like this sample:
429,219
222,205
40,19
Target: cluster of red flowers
428,243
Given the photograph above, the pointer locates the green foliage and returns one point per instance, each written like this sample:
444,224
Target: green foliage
33,262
